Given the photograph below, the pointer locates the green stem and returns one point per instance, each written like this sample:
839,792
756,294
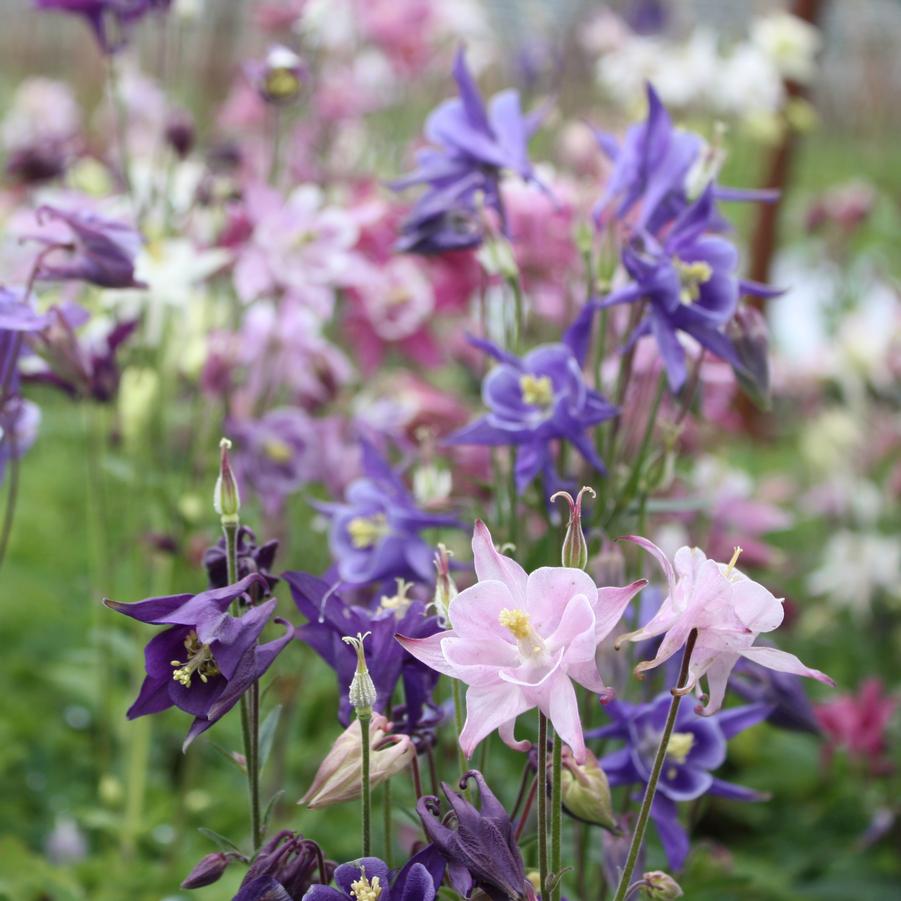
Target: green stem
644,813
366,786
458,721
542,801
12,494
556,815
120,124
386,812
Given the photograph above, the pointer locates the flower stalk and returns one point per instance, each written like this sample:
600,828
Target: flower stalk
542,802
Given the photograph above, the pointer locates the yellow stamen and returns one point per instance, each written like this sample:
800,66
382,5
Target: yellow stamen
679,746
537,390
364,889
736,553
692,276
278,451
200,661
398,602
282,83
517,621
365,531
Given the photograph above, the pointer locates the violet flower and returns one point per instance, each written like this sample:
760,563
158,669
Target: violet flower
376,532
481,852
251,559
98,250
473,145
696,747
284,869
783,693
110,20
330,619
208,658
369,879
534,401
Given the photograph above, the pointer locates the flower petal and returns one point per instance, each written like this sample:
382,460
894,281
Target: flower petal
489,564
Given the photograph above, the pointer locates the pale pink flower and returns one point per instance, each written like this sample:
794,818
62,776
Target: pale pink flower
729,611
520,640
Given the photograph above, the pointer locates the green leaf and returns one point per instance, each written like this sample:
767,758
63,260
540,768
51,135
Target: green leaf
223,843
270,807
267,734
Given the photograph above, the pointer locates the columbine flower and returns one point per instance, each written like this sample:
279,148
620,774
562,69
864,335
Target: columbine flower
728,610
534,401
251,559
208,659
369,879
110,20
279,77
462,173
330,619
697,746
519,641
285,868
481,852
376,532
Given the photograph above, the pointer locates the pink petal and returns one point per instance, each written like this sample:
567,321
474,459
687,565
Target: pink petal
611,605
785,663
709,601
718,667
531,676
489,707
587,674
547,591
489,564
756,607
562,709
658,554
477,661
687,562
429,651
505,730
474,612
575,632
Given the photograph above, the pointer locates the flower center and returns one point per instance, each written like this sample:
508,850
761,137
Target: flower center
200,661
679,746
364,889
277,450
691,277
398,602
365,531
519,625
282,84
537,390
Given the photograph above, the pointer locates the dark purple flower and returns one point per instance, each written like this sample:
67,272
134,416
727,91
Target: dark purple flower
285,868
472,146
208,869
251,559
783,693
98,250
110,20
534,401
369,877
375,534
208,659
38,162
697,746
17,319
330,619
481,852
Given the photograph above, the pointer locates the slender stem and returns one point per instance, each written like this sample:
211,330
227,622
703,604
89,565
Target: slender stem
417,776
519,326
458,721
386,813
120,124
366,786
691,388
12,494
542,801
523,787
526,810
642,823
556,815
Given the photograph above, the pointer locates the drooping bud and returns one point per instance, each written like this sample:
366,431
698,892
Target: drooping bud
750,337
280,77
445,589
208,870
362,692
180,133
226,500
575,547
586,792
338,777
660,886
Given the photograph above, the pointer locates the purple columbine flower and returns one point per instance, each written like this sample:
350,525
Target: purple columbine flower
783,693
208,658
481,852
110,20
285,869
375,534
98,250
534,401
330,619
473,145
251,559
369,877
697,746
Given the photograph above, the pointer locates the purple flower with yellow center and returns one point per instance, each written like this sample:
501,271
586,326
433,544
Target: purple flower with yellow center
696,747
110,20
330,619
535,400
205,662
473,145
369,879
376,533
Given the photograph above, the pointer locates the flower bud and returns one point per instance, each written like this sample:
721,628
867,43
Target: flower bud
362,692
750,337
660,886
208,870
445,589
180,133
575,547
226,500
280,77
586,792
338,777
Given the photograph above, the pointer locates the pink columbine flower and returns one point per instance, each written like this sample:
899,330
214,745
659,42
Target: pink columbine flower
520,640
728,609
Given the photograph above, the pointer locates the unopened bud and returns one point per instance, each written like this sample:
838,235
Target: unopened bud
362,692
208,870
180,133
749,335
445,589
281,76
575,547
226,500
586,793
660,886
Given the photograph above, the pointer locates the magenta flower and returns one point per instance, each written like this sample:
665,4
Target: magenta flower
520,640
728,609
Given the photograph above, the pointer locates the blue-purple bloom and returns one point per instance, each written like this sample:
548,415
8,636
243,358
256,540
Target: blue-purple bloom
251,559
284,868
697,746
369,877
376,533
534,401
473,146
110,20
208,658
330,619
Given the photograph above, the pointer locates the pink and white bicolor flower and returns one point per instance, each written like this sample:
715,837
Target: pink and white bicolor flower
728,609
519,641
